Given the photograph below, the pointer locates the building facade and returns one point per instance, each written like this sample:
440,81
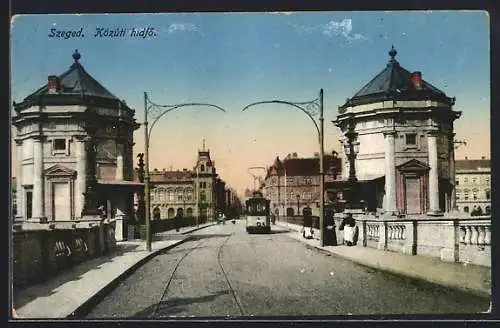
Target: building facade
398,140
191,193
473,186
73,136
293,184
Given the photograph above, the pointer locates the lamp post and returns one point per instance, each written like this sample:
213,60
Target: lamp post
160,111
351,147
310,107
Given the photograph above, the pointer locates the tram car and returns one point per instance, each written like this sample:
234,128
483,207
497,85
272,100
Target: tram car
258,218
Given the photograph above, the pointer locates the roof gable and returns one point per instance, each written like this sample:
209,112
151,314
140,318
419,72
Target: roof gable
59,170
413,165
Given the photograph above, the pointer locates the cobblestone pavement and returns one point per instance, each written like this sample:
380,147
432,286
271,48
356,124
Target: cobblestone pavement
269,275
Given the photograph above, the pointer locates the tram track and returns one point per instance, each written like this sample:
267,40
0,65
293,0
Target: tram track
165,293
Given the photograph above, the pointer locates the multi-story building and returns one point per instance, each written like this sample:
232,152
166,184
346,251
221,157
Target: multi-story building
292,184
398,140
74,150
473,185
191,193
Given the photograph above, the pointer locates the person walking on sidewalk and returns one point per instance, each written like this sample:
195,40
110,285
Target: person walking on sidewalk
348,225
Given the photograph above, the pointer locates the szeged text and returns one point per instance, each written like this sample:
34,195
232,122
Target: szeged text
104,32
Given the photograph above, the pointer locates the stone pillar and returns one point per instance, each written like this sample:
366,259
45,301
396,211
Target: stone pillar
81,178
390,174
453,201
19,177
119,161
433,173
38,206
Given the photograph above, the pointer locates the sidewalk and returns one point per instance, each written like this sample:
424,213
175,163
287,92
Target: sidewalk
70,292
468,278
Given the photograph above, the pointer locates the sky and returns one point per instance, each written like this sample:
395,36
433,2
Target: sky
234,59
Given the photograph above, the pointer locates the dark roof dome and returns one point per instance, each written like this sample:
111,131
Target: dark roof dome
75,81
396,83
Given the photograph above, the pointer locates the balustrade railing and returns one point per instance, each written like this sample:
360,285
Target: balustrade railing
372,231
396,232
476,234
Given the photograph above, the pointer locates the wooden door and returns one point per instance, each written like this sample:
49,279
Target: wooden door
61,201
412,187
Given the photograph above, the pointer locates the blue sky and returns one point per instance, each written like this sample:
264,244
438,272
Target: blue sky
232,59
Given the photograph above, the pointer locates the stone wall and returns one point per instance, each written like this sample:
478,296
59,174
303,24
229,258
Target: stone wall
451,239
42,250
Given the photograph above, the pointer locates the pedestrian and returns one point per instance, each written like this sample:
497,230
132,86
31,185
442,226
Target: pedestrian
177,223
348,225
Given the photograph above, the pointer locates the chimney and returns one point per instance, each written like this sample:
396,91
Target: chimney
53,84
416,79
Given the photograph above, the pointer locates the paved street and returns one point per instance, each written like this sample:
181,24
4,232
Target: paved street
226,272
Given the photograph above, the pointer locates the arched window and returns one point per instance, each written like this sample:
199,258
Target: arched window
457,194
170,213
474,193
466,194
170,195
180,211
487,194
290,211
189,212
466,209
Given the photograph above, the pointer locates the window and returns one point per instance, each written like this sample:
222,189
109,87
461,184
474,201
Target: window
203,196
474,194
466,209
307,180
466,180
457,195
411,139
202,169
473,180
457,183
59,144
466,194
487,180
487,194
29,203
170,195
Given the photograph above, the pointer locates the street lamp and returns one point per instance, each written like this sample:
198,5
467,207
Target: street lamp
160,111
310,106
298,204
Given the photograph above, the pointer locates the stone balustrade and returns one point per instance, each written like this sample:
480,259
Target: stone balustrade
463,240
454,239
42,249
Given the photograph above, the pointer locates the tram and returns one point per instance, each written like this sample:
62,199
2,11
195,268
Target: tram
257,213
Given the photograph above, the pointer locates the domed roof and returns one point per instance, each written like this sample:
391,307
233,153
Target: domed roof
76,81
395,83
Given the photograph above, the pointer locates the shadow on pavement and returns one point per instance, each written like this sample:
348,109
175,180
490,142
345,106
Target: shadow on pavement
23,296
175,305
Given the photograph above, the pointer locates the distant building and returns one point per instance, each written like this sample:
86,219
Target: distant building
398,141
73,136
190,193
473,181
292,184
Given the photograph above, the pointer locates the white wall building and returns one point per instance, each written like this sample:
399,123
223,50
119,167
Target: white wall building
473,181
400,129
73,134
